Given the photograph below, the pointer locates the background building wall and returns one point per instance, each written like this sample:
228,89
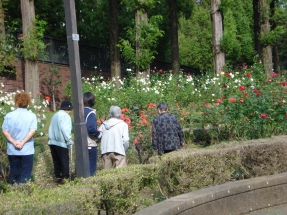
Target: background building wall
16,81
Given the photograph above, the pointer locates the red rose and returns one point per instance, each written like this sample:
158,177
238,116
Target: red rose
274,74
242,88
136,141
263,116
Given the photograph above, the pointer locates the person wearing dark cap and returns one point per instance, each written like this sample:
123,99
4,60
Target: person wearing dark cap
60,141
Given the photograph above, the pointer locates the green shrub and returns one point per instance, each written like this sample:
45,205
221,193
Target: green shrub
4,171
186,170
119,191
120,194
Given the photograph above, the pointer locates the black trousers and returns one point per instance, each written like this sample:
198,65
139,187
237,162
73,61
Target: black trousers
60,157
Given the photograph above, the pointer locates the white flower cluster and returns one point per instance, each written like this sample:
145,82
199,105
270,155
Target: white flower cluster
8,104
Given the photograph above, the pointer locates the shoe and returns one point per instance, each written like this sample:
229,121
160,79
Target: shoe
58,180
62,181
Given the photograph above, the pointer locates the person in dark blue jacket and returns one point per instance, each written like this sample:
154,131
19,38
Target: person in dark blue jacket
167,135
93,134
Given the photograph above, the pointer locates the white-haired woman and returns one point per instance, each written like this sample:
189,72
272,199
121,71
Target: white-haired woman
115,140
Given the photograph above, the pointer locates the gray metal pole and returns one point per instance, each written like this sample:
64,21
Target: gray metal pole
81,144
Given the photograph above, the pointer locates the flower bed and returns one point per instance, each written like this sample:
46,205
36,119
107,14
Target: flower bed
239,104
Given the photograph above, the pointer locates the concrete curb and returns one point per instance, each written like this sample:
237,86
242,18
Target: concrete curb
239,197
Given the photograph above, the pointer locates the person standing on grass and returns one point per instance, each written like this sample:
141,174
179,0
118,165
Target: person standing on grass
19,127
94,135
167,135
60,141
115,140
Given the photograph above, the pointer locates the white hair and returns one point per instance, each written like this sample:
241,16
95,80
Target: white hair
115,112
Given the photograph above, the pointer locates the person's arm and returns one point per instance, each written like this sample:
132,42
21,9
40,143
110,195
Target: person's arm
154,136
126,136
33,127
25,140
5,132
66,129
92,126
10,138
180,132
101,128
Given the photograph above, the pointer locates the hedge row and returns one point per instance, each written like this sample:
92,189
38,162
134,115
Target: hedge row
118,191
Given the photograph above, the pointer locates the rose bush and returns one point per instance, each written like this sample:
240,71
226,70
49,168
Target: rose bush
239,103
252,106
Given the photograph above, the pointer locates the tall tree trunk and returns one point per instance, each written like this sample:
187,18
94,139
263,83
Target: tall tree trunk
276,58
264,31
2,23
114,40
275,51
141,19
256,27
217,33
54,108
31,67
175,62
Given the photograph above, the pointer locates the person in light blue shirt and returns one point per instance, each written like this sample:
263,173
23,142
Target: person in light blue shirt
60,141
19,127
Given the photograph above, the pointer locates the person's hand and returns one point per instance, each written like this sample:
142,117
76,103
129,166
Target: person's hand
100,135
19,144
72,143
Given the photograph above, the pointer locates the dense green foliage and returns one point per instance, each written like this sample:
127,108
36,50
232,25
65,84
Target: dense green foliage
195,36
148,38
127,190
33,46
195,39
238,34
238,104
8,52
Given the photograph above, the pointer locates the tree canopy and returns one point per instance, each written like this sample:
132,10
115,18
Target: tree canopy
195,35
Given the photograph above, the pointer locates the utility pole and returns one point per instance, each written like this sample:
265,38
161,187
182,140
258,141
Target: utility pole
82,156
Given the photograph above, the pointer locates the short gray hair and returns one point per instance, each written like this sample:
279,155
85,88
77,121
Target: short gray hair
115,112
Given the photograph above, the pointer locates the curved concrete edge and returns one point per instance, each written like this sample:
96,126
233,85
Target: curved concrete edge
239,197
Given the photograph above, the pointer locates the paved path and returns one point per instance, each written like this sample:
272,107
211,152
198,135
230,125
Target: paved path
276,210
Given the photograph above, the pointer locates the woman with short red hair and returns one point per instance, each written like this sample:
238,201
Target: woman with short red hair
19,127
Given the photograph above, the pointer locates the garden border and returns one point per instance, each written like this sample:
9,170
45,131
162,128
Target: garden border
240,197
